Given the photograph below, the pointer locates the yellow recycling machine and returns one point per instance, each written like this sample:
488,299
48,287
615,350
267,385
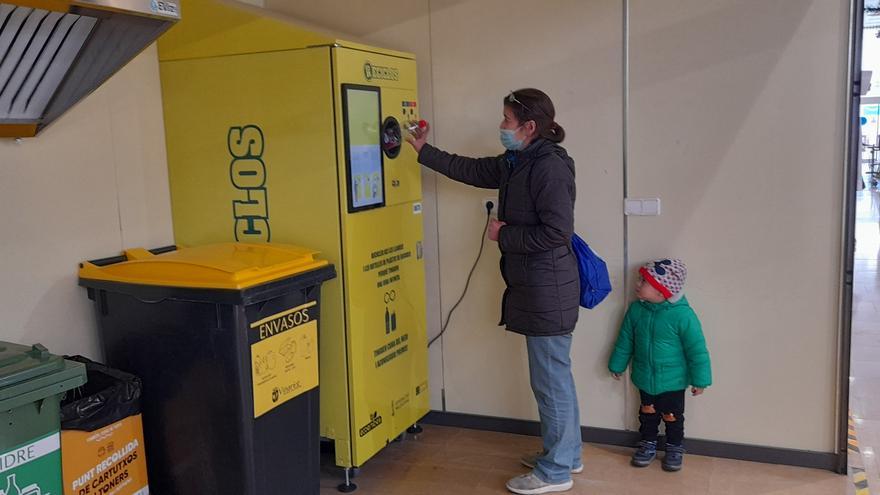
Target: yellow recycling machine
279,135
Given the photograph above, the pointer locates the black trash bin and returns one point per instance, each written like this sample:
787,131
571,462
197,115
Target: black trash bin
224,339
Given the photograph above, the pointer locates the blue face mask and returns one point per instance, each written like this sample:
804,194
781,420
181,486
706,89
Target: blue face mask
509,140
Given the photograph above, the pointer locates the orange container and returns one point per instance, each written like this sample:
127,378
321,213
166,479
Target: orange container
107,461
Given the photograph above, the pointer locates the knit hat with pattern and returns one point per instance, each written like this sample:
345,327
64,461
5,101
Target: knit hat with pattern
667,276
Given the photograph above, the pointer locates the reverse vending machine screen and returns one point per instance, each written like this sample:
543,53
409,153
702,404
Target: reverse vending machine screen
363,155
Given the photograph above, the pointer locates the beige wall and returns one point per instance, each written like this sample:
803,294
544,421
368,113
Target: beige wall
735,123
91,184
466,66
736,119
481,50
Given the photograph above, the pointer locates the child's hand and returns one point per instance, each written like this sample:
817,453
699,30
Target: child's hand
695,391
616,376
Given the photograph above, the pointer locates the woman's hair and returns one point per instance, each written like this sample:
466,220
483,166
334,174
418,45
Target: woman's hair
533,104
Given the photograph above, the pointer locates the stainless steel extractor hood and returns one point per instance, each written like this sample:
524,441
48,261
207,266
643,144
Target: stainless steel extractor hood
53,53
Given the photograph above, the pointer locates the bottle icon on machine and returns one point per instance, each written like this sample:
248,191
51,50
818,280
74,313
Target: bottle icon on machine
376,180
12,488
365,185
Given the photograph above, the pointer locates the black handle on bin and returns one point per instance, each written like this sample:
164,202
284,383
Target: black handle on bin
163,249
119,259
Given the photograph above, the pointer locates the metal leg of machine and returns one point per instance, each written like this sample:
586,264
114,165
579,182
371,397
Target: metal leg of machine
348,486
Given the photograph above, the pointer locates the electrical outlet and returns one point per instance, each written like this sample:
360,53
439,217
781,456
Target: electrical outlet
649,207
487,199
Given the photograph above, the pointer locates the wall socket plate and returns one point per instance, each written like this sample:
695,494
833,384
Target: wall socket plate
641,207
493,199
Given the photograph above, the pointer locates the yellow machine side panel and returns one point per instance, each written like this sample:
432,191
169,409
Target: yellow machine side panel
386,309
210,28
252,156
249,146
385,281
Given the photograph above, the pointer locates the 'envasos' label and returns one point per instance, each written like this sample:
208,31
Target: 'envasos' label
284,357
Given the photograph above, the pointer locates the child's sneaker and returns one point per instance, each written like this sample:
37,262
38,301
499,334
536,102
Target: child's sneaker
529,484
674,457
530,460
645,455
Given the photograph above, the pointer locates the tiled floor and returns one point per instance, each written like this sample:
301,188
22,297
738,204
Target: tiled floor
865,372
452,461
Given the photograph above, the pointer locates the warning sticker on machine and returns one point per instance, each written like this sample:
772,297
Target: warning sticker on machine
284,361
387,262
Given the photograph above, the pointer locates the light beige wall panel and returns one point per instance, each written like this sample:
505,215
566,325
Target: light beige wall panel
94,182
736,123
573,51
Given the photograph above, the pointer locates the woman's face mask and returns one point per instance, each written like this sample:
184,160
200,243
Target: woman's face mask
509,139
508,131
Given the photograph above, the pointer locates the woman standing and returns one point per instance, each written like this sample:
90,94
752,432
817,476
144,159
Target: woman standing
536,194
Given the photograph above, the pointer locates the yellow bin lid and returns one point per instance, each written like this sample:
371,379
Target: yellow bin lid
215,266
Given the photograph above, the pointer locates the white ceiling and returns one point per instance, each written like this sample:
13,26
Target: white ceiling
356,17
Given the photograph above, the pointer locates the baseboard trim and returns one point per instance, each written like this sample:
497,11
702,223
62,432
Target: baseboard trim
607,436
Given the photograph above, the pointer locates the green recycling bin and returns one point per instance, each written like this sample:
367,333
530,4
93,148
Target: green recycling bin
32,382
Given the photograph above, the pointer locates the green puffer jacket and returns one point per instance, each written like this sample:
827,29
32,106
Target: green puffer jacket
666,344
